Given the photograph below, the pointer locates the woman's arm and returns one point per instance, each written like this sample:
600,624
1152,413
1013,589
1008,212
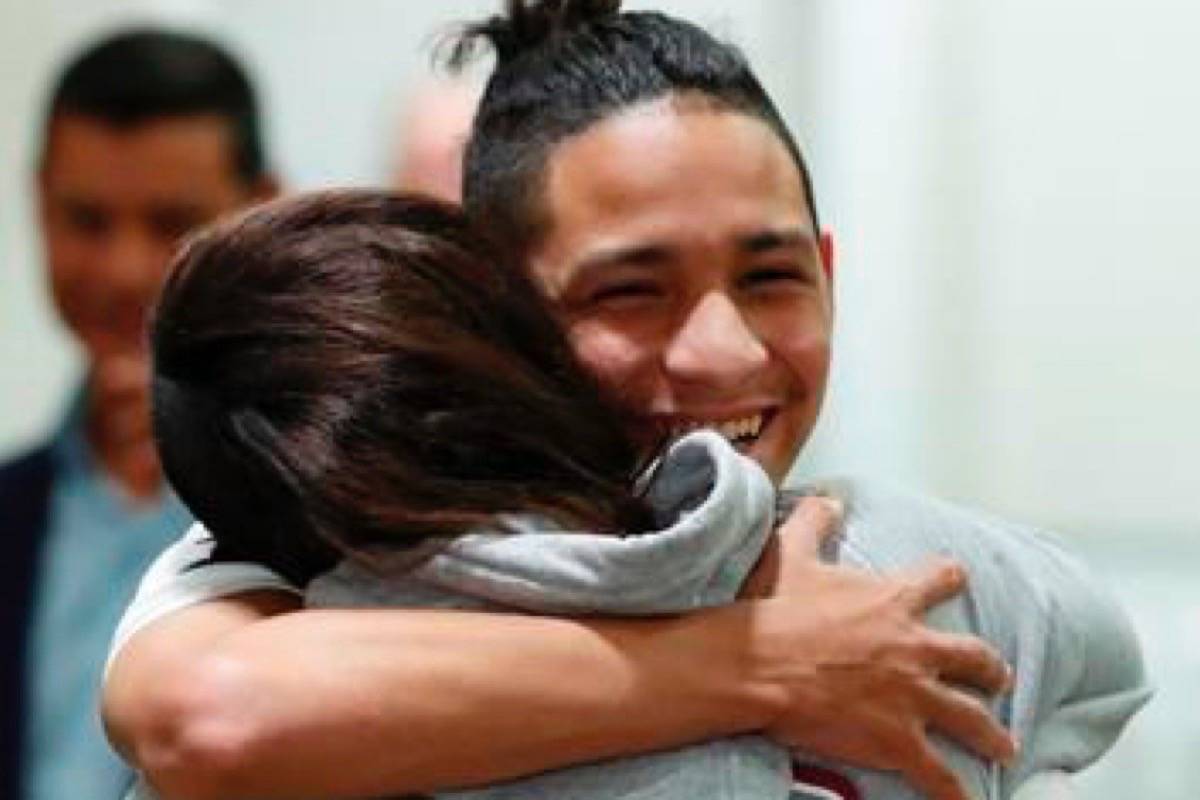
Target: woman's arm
240,698
365,703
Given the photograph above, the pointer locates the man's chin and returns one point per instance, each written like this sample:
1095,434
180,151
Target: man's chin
774,455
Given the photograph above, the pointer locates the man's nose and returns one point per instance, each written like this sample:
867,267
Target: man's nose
135,263
715,345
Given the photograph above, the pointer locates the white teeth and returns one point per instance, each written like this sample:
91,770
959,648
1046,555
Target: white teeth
732,429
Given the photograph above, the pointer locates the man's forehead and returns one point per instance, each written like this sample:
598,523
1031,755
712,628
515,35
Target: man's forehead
171,160
627,162
204,140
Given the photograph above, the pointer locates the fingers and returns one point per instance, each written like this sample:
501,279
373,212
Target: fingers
968,661
965,660
927,772
811,522
788,561
966,720
935,582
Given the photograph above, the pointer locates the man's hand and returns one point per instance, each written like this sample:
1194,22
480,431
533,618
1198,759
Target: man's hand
874,679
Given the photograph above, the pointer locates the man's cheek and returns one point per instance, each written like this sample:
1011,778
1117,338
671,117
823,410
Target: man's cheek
809,357
610,355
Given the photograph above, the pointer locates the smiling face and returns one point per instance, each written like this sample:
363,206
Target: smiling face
682,253
115,202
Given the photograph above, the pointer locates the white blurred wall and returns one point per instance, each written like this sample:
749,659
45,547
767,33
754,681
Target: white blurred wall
1014,184
1092,187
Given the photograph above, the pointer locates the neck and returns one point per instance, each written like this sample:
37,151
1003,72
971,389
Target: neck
120,438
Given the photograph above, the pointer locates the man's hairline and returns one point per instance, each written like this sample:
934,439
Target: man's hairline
142,121
682,102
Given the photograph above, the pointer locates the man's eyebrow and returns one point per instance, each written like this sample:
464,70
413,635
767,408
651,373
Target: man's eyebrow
653,255
186,207
776,239
643,255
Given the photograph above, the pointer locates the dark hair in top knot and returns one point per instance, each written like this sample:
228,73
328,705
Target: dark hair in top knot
564,65
526,25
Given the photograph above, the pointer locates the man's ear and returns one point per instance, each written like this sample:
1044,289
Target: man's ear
826,248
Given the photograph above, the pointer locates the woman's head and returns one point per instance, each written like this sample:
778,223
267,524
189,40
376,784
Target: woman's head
346,369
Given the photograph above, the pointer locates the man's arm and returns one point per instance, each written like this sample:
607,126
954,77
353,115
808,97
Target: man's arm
235,699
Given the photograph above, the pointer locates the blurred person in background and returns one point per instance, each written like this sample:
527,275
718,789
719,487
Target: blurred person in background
434,128
147,134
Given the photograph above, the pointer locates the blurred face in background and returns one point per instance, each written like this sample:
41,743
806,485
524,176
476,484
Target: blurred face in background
114,203
683,254
433,136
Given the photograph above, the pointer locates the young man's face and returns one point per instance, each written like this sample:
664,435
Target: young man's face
115,202
683,255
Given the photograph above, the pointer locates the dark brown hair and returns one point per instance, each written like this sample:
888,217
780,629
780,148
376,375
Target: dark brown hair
139,75
342,370
563,66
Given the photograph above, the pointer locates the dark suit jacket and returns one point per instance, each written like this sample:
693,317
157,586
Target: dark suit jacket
24,514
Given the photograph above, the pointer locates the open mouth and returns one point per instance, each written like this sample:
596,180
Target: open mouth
740,431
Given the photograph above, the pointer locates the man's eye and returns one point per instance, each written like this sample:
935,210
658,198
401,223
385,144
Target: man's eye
86,219
772,277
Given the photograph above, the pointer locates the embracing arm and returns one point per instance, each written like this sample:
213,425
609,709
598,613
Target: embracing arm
239,698
365,702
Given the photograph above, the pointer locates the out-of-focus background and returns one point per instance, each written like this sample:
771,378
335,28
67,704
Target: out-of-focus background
1014,189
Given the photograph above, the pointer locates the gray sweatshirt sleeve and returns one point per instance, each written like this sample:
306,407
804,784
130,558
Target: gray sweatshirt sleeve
1079,675
716,510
